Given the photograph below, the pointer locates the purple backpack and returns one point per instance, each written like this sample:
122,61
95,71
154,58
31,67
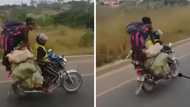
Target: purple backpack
135,27
11,30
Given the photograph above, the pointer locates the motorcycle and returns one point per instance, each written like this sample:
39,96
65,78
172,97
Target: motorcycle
148,80
69,80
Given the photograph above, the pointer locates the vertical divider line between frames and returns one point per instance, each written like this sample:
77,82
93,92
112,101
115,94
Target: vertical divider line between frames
94,53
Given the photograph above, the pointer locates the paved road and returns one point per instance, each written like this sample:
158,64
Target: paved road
83,98
117,88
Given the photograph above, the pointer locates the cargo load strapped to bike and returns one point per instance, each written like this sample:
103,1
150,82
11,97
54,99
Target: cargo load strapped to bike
157,61
24,68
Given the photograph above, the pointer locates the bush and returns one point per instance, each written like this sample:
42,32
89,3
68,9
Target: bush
87,39
45,20
42,20
18,15
81,16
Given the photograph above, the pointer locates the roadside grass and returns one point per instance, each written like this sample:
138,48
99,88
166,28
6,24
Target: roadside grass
63,40
112,39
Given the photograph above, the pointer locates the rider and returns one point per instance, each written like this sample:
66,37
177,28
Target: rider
139,37
42,60
155,36
15,34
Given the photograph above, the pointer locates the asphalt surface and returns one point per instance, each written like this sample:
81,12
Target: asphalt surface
117,87
59,98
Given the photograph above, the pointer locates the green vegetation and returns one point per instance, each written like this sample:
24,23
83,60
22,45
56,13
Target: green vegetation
112,39
78,16
70,29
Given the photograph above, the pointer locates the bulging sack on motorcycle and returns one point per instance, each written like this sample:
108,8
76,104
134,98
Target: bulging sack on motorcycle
160,65
18,56
29,72
153,50
37,79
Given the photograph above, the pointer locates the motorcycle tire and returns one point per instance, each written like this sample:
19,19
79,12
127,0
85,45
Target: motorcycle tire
72,83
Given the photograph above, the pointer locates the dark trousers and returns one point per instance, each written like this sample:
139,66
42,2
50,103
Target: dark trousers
49,73
6,62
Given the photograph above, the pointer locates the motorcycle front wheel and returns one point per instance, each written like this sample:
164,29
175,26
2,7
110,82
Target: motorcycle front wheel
72,83
175,68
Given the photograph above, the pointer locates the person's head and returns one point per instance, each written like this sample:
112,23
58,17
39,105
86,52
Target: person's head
30,23
41,39
147,24
146,20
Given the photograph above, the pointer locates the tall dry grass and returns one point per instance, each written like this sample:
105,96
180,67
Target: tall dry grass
112,39
63,40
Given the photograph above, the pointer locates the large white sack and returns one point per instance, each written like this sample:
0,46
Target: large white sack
18,56
153,50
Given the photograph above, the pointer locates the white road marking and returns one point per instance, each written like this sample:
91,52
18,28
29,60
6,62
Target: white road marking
99,69
114,72
181,57
88,75
81,61
125,82
79,56
5,81
113,88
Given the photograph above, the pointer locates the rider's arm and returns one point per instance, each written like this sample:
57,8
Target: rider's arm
26,40
40,53
25,31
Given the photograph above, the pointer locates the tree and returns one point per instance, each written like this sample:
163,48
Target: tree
61,1
33,3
